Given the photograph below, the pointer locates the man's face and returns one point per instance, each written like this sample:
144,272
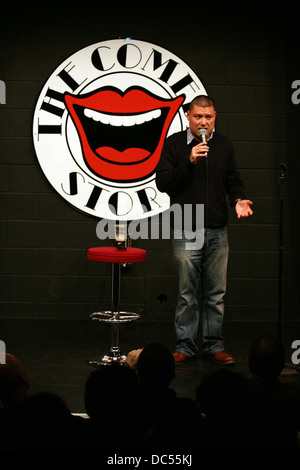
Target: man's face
201,118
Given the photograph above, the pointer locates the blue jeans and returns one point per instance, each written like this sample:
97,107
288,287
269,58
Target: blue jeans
208,264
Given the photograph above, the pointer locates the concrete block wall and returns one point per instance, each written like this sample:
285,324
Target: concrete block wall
247,63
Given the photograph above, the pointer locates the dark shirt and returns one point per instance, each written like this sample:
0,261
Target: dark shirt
186,183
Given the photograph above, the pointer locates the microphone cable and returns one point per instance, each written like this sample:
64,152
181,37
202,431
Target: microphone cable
205,251
202,134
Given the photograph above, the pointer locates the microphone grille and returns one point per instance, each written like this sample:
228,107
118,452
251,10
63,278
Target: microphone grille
202,133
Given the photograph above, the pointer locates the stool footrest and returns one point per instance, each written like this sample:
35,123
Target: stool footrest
108,316
114,356
108,360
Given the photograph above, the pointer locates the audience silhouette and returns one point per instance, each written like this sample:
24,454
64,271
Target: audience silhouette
42,422
161,412
133,407
223,400
274,406
14,382
110,397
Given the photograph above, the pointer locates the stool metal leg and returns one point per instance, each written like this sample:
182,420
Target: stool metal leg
114,317
115,353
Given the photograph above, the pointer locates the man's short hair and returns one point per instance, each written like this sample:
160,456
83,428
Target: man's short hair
202,100
156,365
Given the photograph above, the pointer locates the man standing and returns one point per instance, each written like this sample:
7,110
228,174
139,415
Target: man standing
195,171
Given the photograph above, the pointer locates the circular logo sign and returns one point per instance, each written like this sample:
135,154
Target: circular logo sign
100,123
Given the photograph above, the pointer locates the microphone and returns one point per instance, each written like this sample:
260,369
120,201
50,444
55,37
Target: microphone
202,134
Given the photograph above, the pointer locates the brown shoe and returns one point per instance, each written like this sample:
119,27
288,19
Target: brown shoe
179,357
222,357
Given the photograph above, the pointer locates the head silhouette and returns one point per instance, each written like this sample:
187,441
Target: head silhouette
266,357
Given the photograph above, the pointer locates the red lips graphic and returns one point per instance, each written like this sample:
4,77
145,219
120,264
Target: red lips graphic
122,134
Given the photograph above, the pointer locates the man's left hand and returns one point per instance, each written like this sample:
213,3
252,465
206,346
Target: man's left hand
243,209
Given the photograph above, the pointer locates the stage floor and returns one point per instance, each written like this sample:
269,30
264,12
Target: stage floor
55,353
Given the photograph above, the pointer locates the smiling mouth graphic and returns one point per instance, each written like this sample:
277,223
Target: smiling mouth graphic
122,135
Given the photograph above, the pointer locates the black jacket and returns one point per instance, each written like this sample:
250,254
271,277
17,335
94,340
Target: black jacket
186,183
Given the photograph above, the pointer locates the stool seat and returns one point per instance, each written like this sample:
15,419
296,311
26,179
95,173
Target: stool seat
112,254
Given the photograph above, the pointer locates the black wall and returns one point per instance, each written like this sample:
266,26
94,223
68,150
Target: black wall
247,60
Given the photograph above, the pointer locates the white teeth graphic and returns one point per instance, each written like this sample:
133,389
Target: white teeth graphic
121,120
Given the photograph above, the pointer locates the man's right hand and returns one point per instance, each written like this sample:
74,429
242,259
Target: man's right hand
199,151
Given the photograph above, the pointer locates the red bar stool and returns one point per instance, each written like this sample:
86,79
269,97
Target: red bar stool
116,257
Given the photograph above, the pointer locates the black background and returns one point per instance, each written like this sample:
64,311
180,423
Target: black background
247,58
